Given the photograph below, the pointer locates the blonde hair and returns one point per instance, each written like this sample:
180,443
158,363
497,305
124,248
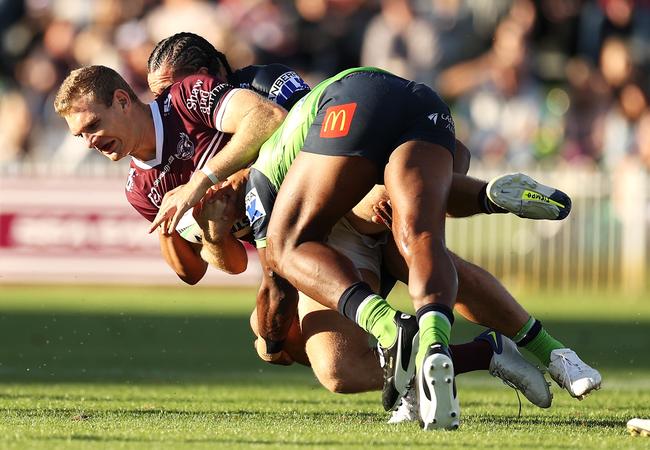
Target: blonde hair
99,83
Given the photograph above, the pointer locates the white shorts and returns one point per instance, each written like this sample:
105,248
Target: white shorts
364,251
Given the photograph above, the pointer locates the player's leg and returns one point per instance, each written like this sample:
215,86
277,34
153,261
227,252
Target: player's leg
482,299
343,359
518,194
462,157
513,193
417,179
338,348
303,215
335,169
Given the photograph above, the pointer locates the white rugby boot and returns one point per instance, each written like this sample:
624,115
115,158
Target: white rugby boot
407,411
527,198
573,374
510,366
439,407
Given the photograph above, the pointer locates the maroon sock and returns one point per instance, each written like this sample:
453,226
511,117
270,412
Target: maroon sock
475,355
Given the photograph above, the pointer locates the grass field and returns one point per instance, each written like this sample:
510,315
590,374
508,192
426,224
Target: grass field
104,367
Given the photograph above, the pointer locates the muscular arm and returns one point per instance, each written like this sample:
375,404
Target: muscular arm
251,119
225,253
183,257
216,213
277,301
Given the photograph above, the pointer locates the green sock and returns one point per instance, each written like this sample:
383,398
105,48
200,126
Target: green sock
542,346
539,343
375,316
434,328
524,330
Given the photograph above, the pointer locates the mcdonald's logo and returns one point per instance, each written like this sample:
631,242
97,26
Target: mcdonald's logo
337,120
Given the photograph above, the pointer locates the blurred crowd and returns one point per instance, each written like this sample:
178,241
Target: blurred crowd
546,82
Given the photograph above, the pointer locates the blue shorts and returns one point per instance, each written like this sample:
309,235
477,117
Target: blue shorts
370,114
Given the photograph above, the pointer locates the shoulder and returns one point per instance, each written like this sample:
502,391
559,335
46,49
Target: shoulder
277,82
196,89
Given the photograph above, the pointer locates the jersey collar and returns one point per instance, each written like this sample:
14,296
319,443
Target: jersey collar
158,126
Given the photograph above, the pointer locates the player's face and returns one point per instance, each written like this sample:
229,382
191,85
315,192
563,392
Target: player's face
103,128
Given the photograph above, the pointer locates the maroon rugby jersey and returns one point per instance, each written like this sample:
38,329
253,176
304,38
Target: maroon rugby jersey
187,119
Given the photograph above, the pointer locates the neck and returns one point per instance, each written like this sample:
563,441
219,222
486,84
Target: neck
145,145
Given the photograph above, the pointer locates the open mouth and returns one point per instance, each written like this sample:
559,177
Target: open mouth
107,147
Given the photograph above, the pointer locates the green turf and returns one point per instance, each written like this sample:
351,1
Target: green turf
105,367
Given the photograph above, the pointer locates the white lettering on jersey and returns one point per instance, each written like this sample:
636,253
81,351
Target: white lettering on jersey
285,86
154,193
202,98
167,105
130,180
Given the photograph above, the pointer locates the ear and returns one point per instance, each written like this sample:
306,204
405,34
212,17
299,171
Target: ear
122,99
203,71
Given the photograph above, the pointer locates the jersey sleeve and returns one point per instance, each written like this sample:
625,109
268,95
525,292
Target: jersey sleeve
279,84
142,205
202,99
259,201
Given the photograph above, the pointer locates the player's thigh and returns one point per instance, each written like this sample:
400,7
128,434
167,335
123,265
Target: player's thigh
331,340
418,177
317,191
359,121
462,157
330,337
364,251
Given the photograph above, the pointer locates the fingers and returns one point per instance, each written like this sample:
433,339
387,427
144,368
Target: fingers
164,212
160,221
281,358
171,224
383,213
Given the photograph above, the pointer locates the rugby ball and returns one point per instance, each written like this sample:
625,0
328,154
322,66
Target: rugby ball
189,229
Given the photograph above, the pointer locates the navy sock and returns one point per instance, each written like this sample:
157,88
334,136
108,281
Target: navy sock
487,205
352,297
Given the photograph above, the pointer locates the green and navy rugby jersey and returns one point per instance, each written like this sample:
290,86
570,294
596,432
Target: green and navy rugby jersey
278,153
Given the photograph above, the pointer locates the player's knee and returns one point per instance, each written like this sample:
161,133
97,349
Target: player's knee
335,376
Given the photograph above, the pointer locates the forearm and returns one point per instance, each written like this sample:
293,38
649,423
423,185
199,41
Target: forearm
181,256
225,253
277,302
244,146
254,126
276,309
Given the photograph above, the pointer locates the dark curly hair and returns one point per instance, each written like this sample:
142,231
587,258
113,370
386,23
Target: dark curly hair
186,53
